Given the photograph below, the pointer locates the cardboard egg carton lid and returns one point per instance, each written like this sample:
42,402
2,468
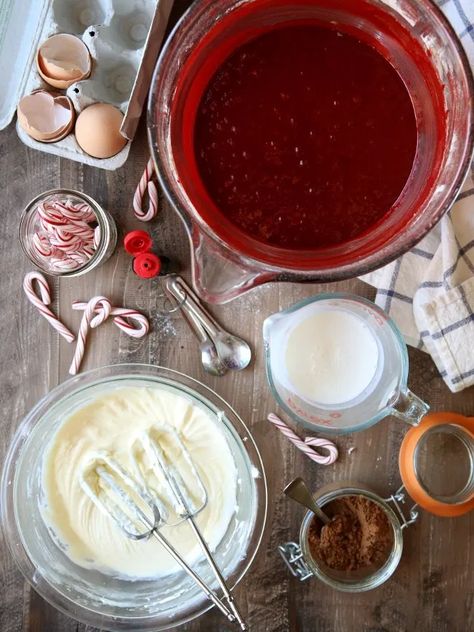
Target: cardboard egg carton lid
25,24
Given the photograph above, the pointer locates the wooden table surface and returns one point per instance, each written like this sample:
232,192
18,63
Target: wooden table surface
432,590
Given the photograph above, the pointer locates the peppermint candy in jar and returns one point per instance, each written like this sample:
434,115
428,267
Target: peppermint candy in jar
66,233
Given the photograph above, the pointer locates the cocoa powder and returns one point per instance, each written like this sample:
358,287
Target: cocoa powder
358,536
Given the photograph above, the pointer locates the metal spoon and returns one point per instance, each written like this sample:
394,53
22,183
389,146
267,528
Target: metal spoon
210,361
234,353
298,491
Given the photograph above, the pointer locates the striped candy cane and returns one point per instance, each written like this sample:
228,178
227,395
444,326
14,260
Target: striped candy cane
124,319
146,184
307,446
96,312
65,234
96,240
130,321
42,301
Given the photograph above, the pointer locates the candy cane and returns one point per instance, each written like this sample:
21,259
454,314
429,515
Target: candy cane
42,244
77,258
63,265
146,183
65,228
41,302
96,239
75,211
121,317
84,231
96,312
305,446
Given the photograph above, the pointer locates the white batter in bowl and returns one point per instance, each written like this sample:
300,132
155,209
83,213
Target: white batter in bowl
75,558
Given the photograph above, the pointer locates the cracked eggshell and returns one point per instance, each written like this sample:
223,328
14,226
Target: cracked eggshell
46,117
62,60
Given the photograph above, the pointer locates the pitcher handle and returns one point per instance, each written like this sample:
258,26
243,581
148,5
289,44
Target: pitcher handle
218,274
409,407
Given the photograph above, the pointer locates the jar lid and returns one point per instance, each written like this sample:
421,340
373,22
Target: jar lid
147,265
137,242
437,463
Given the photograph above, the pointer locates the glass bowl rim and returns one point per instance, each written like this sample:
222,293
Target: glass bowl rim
193,222
10,528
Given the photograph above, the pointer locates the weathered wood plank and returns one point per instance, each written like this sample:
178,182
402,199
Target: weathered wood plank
433,587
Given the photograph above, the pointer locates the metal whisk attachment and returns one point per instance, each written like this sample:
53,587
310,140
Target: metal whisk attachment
121,497
157,493
180,491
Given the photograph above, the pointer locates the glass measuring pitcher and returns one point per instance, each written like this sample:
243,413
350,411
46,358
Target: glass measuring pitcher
418,42
383,393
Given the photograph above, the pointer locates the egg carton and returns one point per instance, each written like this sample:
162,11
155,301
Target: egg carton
116,33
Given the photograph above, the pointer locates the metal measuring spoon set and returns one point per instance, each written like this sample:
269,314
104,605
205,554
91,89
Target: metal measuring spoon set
220,350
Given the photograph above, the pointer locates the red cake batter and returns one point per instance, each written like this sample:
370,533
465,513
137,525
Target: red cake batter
305,137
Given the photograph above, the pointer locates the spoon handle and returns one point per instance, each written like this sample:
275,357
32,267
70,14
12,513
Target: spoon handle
191,293
191,305
195,326
209,357
298,491
210,324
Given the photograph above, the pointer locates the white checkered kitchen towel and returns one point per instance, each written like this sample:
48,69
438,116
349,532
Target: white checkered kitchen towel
429,292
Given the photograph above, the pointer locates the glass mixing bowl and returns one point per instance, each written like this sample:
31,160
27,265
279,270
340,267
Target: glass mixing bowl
89,595
419,42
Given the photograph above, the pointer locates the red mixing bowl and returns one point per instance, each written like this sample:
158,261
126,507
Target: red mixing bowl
413,35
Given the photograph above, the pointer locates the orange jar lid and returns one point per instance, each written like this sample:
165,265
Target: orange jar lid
437,463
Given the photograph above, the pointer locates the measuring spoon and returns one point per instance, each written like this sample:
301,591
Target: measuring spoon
297,490
210,361
234,353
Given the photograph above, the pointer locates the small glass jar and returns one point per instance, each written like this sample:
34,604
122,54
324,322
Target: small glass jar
103,221
303,564
437,469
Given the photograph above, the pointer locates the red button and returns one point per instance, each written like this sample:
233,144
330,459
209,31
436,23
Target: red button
137,242
147,265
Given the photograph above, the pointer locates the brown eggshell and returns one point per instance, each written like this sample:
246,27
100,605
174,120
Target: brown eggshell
62,60
46,117
98,130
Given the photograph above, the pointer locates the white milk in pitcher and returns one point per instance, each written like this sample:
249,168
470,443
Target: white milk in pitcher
330,357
